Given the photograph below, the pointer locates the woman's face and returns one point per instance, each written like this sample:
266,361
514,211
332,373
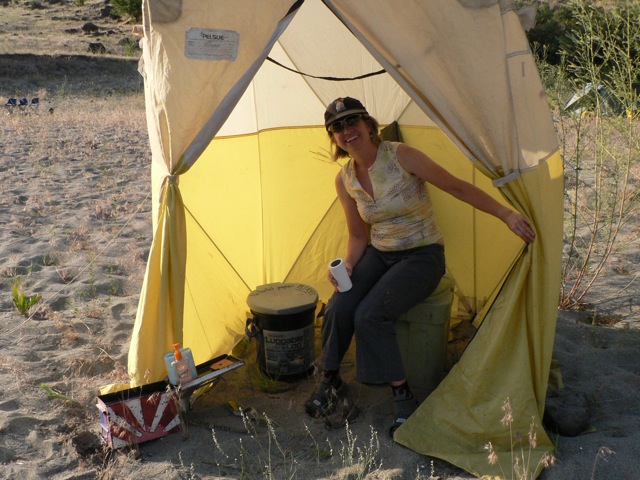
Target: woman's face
350,132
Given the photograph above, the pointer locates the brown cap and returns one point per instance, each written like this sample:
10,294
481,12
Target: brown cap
342,107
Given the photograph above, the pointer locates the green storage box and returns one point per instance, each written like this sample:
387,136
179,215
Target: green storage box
423,334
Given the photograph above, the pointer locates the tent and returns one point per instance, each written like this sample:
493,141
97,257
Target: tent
243,183
595,99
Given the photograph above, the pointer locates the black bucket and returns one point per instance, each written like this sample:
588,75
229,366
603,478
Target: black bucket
283,324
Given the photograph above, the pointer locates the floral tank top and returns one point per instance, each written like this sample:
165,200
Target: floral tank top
400,215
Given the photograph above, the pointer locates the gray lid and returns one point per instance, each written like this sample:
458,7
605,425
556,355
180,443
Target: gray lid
282,298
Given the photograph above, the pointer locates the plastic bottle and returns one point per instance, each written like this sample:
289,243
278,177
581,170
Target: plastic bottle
180,366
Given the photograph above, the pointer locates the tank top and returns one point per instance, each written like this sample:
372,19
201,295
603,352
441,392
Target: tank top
401,214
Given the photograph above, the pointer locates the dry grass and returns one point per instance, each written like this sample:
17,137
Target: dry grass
54,27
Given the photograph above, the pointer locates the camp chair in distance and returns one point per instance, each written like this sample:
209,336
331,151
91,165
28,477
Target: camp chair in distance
11,105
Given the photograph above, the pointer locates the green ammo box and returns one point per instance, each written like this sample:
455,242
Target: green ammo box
423,334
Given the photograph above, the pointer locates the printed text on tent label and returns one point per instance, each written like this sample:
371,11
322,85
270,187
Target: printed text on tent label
208,44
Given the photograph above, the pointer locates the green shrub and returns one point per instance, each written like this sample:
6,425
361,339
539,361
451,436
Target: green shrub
131,8
599,139
552,31
21,301
561,29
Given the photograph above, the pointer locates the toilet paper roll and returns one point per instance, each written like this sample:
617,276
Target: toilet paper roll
339,272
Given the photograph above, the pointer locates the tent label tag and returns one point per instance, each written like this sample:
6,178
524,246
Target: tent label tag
209,44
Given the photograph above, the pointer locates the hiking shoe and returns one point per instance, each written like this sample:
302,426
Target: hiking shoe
397,423
324,399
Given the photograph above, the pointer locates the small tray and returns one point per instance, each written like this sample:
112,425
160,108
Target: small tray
211,370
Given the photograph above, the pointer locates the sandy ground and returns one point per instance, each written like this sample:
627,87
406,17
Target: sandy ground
75,213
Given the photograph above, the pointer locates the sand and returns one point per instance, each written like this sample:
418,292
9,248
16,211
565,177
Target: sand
76,229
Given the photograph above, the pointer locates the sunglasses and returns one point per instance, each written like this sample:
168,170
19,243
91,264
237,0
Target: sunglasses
350,121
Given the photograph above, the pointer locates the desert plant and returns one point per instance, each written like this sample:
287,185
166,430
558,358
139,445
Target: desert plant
187,470
557,24
55,394
320,453
432,472
271,459
551,29
35,5
603,453
359,461
130,47
21,301
270,456
268,383
132,8
599,140
50,259
521,468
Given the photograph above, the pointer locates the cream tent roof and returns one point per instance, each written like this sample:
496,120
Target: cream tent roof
244,185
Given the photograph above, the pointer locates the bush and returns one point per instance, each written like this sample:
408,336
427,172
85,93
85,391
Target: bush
552,30
560,31
131,8
600,145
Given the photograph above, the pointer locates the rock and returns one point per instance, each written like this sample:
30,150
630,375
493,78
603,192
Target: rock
96,48
90,27
106,11
567,413
129,43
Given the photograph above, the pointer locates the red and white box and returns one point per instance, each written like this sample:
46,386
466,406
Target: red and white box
139,414
144,413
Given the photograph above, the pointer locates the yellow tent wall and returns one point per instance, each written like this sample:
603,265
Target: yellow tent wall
277,196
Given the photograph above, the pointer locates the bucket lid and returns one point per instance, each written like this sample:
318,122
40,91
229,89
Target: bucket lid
282,298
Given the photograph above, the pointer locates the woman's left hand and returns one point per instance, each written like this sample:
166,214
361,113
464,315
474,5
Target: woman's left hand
519,225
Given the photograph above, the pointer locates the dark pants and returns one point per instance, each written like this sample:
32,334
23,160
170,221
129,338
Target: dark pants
385,285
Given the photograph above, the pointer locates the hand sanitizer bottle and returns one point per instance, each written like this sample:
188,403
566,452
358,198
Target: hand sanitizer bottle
180,366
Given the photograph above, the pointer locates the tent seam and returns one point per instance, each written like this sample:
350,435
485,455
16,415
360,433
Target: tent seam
312,235
186,209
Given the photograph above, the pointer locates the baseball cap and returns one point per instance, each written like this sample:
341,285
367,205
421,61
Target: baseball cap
342,107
